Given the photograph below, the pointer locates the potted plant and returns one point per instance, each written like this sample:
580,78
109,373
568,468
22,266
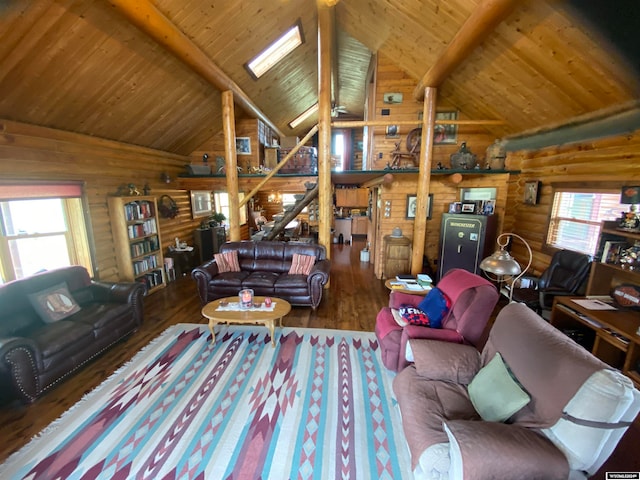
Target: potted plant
214,220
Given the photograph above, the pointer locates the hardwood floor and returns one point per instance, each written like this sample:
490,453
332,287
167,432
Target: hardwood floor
352,301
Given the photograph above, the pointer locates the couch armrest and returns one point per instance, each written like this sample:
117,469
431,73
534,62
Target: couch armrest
203,275
320,269
130,293
445,361
480,450
20,362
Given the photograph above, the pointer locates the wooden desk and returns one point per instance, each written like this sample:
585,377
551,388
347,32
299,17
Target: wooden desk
610,334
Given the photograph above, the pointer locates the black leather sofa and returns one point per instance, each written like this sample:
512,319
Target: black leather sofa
35,355
264,267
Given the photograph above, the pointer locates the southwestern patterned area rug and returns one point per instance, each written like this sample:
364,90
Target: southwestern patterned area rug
317,406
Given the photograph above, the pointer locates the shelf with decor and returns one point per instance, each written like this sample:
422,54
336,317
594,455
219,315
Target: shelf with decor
138,246
612,264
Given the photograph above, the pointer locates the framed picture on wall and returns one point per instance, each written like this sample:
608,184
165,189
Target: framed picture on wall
412,205
445,134
243,146
201,203
531,192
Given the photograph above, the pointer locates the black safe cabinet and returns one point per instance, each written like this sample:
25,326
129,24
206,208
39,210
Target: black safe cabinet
465,240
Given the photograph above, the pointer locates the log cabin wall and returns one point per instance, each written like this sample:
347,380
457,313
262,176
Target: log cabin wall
444,191
615,160
33,153
390,79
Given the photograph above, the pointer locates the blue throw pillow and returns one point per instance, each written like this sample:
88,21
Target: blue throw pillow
435,305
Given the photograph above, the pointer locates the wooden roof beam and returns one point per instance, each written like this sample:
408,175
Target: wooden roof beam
144,15
483,20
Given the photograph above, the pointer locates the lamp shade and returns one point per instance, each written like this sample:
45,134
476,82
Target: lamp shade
630,195
500,263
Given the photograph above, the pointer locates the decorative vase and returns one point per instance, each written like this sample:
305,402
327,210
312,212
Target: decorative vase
463,159
495,156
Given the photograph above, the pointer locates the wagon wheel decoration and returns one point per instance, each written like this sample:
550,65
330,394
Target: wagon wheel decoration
413,140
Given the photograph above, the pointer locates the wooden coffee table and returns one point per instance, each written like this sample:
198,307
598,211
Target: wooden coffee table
267,318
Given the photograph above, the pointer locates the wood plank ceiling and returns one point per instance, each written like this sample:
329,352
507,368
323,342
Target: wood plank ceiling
80,66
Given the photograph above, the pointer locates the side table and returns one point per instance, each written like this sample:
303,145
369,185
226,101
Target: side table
183,260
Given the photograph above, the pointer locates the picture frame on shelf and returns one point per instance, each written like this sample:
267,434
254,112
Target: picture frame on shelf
412,205
468,207
531,190
243,146
201,203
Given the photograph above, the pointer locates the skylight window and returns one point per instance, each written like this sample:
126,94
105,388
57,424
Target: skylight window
276,51
303,116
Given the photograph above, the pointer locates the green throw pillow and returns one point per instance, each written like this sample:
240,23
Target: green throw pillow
54,303
495,393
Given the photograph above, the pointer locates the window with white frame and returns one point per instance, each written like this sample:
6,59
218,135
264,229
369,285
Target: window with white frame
43,227
221,201
577,214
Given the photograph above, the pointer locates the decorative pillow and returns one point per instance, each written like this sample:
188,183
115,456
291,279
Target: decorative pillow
495,393
302,264
435,305
54,303
227,261
413,315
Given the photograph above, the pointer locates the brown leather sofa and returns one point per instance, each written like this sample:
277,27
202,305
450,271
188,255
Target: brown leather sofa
264,267
35,355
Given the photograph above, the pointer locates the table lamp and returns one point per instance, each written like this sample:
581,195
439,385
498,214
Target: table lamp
502,264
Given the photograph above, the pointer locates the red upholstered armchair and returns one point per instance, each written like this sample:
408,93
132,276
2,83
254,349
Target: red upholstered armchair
472,301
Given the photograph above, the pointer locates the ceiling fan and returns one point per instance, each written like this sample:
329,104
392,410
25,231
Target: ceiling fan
336,110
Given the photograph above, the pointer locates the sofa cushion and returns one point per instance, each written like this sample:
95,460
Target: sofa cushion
482,450
227,261
61,335
495,393
54,303
260,280
302,264
449,362
435,305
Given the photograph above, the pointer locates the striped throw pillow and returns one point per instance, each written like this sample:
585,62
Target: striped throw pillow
302,264
227,261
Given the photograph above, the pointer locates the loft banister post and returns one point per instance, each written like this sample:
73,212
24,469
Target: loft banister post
424,179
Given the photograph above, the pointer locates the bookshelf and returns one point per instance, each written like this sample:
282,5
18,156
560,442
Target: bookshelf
607,271
136,236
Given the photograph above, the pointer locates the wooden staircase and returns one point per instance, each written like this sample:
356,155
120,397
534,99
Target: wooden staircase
292,212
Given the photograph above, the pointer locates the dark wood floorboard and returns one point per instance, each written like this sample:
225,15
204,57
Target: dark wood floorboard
352,301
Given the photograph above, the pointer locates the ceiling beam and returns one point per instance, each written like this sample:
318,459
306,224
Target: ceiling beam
144,15
483,20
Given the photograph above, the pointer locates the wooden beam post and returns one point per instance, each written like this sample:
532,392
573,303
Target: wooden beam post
325,201
144,15
424,178
482,21
231,164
